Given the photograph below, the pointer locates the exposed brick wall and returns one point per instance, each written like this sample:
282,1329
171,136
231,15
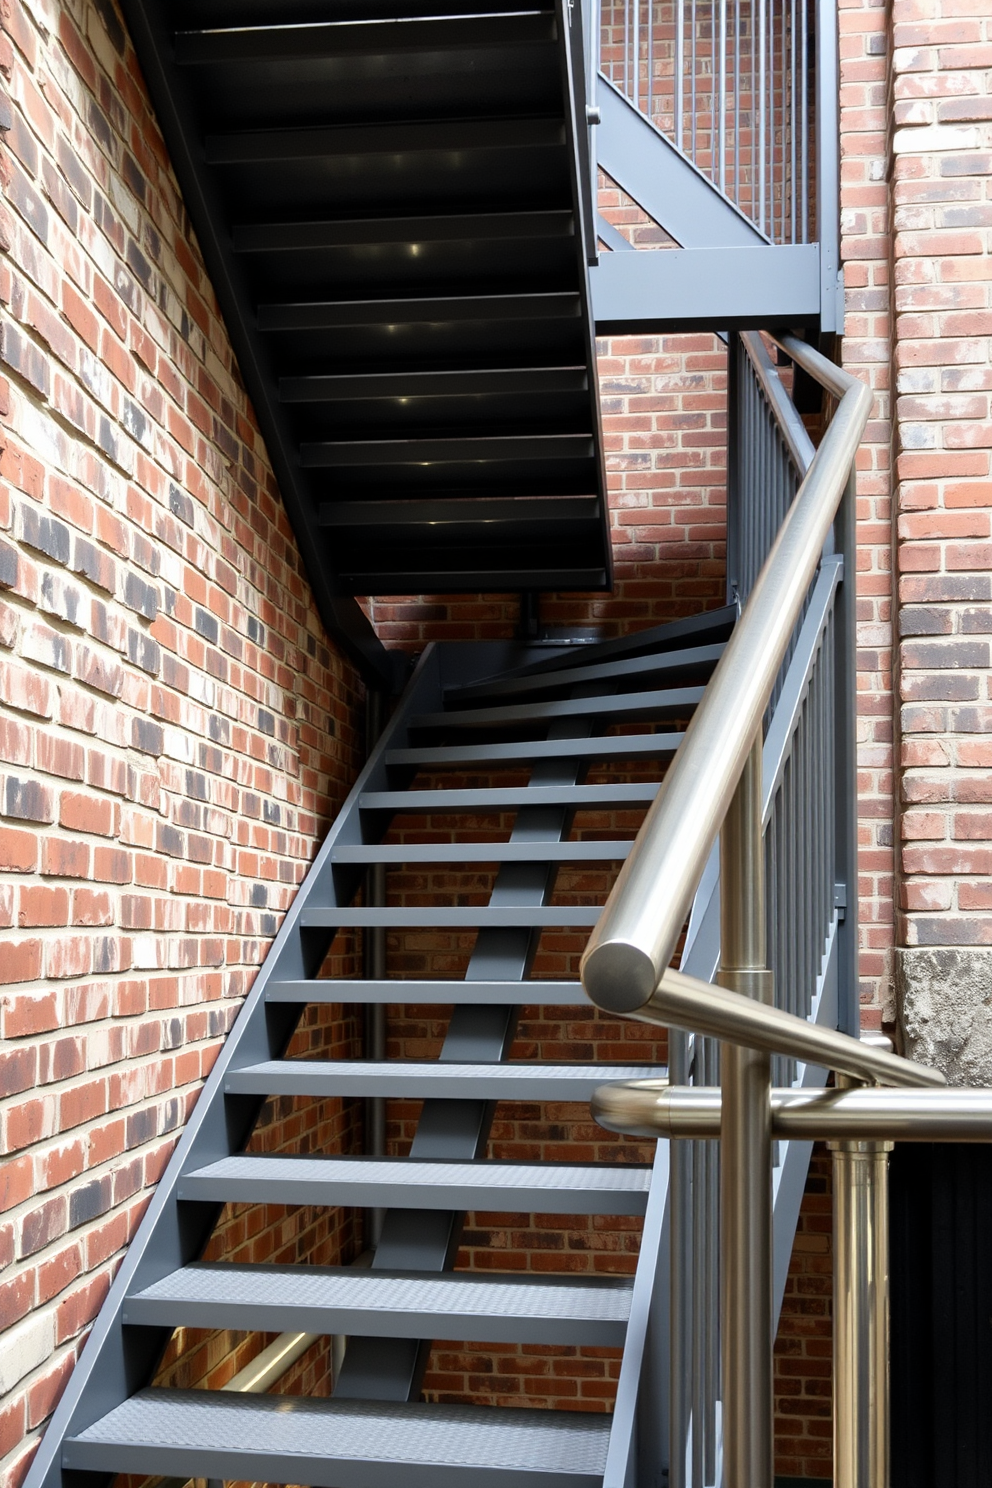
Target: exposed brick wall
175,732
866,352
942,215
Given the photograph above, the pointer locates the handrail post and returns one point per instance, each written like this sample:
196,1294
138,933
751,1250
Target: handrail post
746,1157
861,1313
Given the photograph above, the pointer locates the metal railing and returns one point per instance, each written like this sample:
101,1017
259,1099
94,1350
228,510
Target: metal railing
770,799
736,86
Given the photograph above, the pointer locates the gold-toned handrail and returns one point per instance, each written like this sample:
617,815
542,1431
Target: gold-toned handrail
635,938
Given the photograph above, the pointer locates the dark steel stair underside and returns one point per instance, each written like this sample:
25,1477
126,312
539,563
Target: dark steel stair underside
394,214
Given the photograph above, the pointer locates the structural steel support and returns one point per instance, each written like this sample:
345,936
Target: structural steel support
706,288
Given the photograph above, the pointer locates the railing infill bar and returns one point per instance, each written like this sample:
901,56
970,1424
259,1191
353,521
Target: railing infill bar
633,943
793,430
681,1001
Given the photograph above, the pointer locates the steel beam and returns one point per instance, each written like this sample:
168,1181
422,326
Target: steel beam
706,288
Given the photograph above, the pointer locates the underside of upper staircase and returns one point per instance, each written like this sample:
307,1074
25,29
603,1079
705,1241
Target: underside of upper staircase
394,213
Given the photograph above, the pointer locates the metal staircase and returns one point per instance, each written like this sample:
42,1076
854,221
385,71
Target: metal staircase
468,710
395,216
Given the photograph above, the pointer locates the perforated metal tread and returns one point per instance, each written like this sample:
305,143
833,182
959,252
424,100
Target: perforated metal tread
430,1080
383,1304
509,1187
347,1444
471,994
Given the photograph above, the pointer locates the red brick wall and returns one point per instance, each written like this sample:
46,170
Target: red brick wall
942,213
176,732
865,47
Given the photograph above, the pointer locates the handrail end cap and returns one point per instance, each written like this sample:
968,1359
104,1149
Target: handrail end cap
618,977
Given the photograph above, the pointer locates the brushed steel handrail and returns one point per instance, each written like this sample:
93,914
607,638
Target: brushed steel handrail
629,952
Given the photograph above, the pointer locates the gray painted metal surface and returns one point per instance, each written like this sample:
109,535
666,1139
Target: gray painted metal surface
706,288
660,179
459,1306
631,746
426,1079
332,1444
480,993
485,852
510,798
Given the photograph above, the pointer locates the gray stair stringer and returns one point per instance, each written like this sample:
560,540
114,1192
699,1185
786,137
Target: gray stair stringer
428,1241
116,1362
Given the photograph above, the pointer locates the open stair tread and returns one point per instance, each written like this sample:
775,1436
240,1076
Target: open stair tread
510,798
484,852
673,702
427,1079
447,916
690,659
453,1305
341,1444
512,994
625,746
547,1188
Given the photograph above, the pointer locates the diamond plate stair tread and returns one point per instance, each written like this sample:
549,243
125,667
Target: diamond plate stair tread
346,1444
430,1080
457,1306
517,1187
503,994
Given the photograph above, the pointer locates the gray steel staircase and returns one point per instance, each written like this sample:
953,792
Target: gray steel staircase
395,213
374,1431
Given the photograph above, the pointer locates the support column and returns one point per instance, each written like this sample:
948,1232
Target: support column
746,1153
861,1314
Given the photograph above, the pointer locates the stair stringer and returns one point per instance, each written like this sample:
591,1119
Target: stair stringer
115,1361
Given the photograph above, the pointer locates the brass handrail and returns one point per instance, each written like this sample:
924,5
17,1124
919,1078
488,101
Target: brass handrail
635,938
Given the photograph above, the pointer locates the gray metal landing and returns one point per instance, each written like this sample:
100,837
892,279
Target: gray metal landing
521,1188
347,1444
461,1306
430,1080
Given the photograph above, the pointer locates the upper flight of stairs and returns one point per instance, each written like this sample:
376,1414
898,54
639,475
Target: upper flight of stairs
394,211
481,709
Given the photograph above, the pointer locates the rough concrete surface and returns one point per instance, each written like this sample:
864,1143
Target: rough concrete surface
945,1010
